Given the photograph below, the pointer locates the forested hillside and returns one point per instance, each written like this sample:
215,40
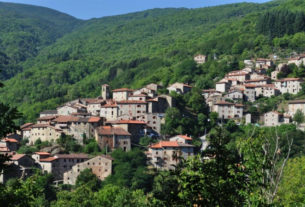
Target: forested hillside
129,50
25,30
151,46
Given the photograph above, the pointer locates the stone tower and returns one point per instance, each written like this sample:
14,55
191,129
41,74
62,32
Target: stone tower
105,92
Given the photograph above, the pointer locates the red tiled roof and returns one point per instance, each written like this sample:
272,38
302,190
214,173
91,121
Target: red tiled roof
108,130
162,144
65,119
289,79
122,90
42,153
131,102
72,156
224,103
250,85
239,105
185,137
49,159
46,118
127,122
40,126
26,125
10,140
17,157
109,106
94,119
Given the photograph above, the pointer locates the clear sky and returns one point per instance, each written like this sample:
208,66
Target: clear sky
86,9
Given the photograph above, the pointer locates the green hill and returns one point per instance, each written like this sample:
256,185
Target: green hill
25,30
139,48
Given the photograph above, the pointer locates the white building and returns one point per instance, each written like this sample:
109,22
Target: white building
200,59
289,85
227,110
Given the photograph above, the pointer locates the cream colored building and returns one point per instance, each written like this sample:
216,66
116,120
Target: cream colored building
298,61
61,163
273,118
44,132
131,109
222,86
289,85
227,110
266,90
167,154
121,94
200,59
101,166
293,106
180,88
109,111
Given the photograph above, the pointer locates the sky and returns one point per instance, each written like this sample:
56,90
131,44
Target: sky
86,9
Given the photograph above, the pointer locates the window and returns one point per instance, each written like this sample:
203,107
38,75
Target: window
138,106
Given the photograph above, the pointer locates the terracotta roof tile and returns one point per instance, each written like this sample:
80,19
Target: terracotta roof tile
17,157
94,119
26,125
185,137
49,159
42,153
122,90
47,118
131,102
72,156
127,122
108,130
10,140
65,119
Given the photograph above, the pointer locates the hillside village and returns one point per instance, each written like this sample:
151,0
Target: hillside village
118,118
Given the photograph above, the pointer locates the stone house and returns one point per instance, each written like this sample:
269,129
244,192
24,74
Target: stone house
136,128
154,86
227,110
239,75
273,118
68,110
166,155
289,85
48,113
37,156
100,165
149,92
121,94
180,88
110,111
293,106
26,130
263,63
266,90
78,127
200,59
131,109
154,121
61,163
94,106
139,97
9,143
181,139
234,95
259,82
222,86
20,166
113,137
209,92
249,92
298,61
44,132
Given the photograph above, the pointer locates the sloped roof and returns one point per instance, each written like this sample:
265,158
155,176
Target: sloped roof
26,125
10,140
296,101
65,119
17,157
131,102
184,137
49,159
109,130
42,153
122,90
72,156
163,144
127,122
94,119
46,118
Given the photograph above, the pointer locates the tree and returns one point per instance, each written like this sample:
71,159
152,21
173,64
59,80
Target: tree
172,121
216,178
299,117
86,177
291,190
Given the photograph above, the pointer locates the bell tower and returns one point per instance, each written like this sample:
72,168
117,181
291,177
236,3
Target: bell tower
105,92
